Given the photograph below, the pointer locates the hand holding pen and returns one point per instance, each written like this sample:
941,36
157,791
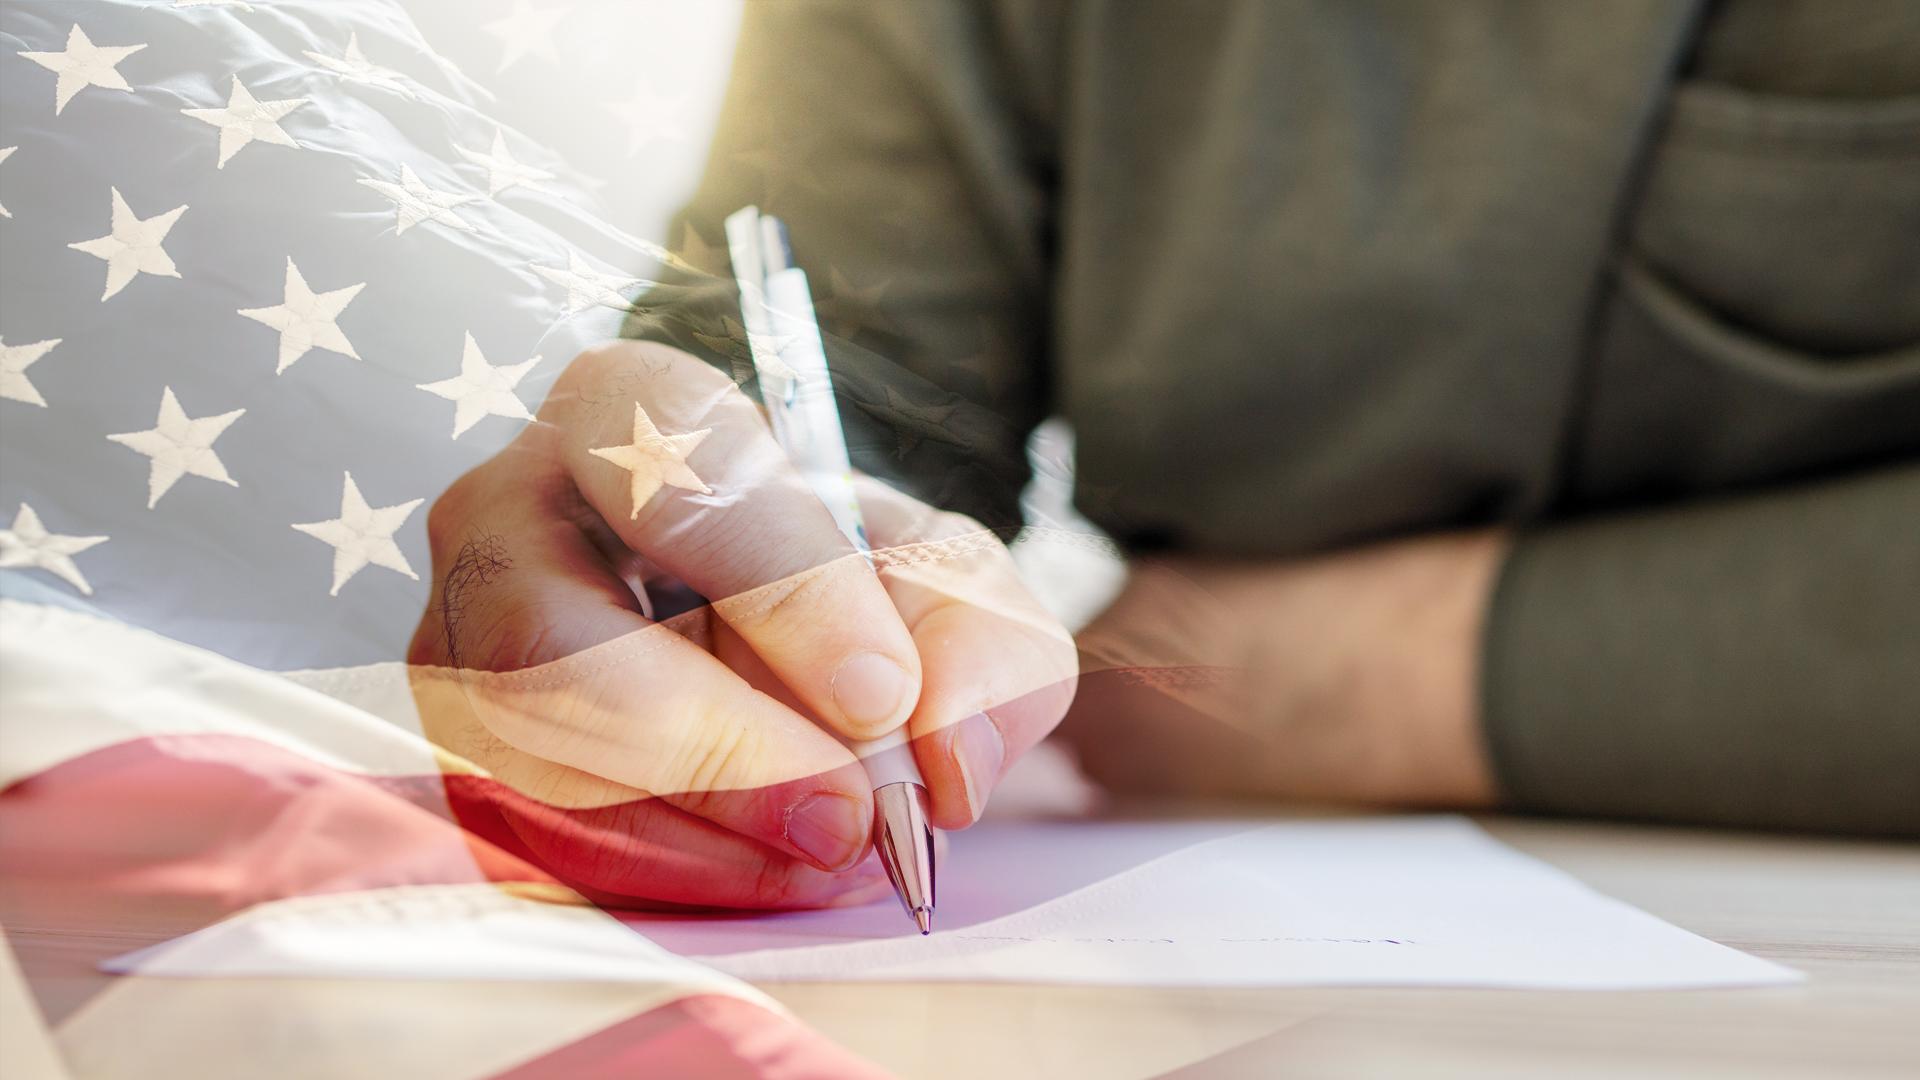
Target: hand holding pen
702,757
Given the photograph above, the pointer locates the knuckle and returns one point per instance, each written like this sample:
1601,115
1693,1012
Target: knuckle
715,761
622,366
598,378
788,600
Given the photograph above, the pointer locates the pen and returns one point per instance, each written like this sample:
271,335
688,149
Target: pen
790,362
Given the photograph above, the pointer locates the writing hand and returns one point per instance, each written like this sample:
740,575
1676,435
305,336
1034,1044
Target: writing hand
699,760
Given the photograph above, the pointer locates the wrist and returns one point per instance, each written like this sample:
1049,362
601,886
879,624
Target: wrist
1366,664
1445,760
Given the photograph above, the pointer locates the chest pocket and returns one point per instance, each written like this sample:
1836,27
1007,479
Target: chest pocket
1765,317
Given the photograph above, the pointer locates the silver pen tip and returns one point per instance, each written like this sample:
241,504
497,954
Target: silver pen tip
905,842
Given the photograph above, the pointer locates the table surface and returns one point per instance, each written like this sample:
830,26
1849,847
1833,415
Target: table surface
1845,912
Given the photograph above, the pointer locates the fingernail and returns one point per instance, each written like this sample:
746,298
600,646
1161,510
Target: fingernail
978,752
869,689
829,828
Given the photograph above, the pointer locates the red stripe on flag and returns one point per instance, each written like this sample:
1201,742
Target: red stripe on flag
150,839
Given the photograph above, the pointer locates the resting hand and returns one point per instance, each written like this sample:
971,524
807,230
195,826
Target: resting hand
1349,677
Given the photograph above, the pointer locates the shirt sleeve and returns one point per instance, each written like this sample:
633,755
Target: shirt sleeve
1753,661
900,144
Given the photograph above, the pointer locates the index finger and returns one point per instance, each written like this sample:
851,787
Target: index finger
682,467
998,670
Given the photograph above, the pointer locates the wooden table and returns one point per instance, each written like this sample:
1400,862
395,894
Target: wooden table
1847,913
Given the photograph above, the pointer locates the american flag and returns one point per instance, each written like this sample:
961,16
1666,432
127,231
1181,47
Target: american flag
274,273
321,257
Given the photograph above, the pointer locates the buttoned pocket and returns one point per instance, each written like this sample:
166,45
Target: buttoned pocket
1765,318
1683,401
1796,218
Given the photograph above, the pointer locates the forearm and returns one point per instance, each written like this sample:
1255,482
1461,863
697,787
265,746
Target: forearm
1752,661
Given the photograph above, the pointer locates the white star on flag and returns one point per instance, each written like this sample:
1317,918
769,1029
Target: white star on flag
656,460
5,153
14,362
83,64
649,116
503,169
362,534
482,389
133,246
29,544
587,287
244,119
528,28
179,446
305,319
415,202
354,65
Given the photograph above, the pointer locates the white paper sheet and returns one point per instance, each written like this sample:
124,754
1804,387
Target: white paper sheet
1379,901
1372,901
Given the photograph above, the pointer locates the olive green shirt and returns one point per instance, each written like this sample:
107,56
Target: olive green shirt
1640,279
